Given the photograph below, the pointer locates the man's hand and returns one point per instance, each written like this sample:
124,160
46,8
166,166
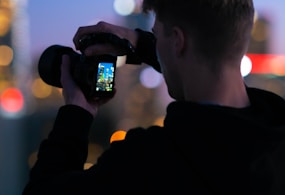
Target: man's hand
103,27
72,93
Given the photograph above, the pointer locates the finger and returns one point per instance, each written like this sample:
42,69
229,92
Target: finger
100,49
99,27
82,31
104,100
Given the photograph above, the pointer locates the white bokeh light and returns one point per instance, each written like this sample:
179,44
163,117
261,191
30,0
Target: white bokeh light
246,66
124,7
150,78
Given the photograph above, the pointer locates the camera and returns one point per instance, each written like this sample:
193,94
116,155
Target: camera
95,75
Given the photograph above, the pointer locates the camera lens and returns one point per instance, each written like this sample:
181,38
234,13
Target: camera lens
50,61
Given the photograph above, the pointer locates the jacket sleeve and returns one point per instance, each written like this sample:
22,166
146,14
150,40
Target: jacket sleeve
62,155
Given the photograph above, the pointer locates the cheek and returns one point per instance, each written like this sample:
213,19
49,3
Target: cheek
161,59
162,52
168,64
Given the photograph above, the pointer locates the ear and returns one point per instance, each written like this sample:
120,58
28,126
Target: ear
179,40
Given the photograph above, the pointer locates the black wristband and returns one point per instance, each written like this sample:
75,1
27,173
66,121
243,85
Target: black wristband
145,51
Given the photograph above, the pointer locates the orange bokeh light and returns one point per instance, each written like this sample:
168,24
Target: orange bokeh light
118,135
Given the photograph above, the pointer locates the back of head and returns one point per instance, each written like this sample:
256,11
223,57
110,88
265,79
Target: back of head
220,28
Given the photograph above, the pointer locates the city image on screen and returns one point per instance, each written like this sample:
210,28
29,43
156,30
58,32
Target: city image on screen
105,76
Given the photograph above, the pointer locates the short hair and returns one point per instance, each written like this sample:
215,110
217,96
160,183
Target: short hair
220,28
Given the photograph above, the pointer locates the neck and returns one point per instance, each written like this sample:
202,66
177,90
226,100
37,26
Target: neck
226,88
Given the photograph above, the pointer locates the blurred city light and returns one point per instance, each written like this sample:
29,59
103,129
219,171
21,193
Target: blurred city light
124,7
6,55
267,64
121,60
118,135
150,78
260,30
12,101
159,121
40,89
246,66
94,152
6,15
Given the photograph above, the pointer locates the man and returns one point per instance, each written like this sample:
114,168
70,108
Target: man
219,136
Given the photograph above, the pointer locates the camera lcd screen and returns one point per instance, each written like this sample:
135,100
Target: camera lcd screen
105,77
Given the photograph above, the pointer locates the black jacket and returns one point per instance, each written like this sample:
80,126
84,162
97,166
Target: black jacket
202,149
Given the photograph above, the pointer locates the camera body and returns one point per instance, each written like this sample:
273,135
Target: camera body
95,75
